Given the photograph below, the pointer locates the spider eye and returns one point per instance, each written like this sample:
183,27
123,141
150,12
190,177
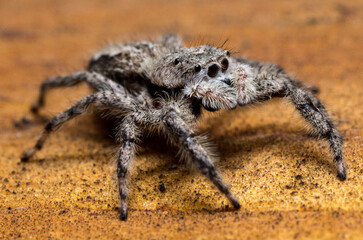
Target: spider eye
213,70
178,60
224,64
197,68
228,53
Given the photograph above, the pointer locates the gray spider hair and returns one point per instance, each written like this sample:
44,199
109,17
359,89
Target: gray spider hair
162,87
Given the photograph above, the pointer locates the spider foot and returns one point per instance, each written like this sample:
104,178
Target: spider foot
34,108
23,123
342,175
27,154
26,123
123,208
123,213
341,169
234,201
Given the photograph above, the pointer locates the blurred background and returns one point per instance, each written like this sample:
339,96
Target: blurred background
285,180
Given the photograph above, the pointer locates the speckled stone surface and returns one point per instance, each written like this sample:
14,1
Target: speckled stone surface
284,179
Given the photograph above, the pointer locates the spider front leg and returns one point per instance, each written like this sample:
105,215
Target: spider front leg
127,136
182,133
276,83
314,112
263,70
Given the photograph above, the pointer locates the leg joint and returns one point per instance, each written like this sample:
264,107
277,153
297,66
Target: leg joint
49,127
128,137
38,145
121,171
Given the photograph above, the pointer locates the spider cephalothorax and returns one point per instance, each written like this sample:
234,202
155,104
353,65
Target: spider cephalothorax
148,86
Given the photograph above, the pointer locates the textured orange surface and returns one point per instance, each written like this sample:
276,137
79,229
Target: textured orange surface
284,179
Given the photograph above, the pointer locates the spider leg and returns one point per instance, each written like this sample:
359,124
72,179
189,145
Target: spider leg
264,70
314,112
172,41
190,145
93,79
272,81
104,98
127,136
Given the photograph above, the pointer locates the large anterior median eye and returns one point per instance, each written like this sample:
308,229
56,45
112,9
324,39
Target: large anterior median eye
213,70
224,64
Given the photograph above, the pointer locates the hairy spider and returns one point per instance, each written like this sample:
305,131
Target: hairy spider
162,86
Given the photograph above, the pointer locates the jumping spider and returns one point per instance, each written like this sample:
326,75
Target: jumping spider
162,86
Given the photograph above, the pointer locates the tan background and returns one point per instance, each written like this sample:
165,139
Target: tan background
284,179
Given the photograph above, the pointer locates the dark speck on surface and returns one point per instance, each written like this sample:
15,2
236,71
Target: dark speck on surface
63,211
162,187
298,177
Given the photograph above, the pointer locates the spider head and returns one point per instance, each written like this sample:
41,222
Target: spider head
202,72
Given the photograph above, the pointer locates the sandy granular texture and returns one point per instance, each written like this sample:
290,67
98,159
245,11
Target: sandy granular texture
283,178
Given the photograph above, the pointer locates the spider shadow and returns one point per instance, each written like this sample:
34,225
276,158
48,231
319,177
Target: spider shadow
257,139
261,137
156,144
